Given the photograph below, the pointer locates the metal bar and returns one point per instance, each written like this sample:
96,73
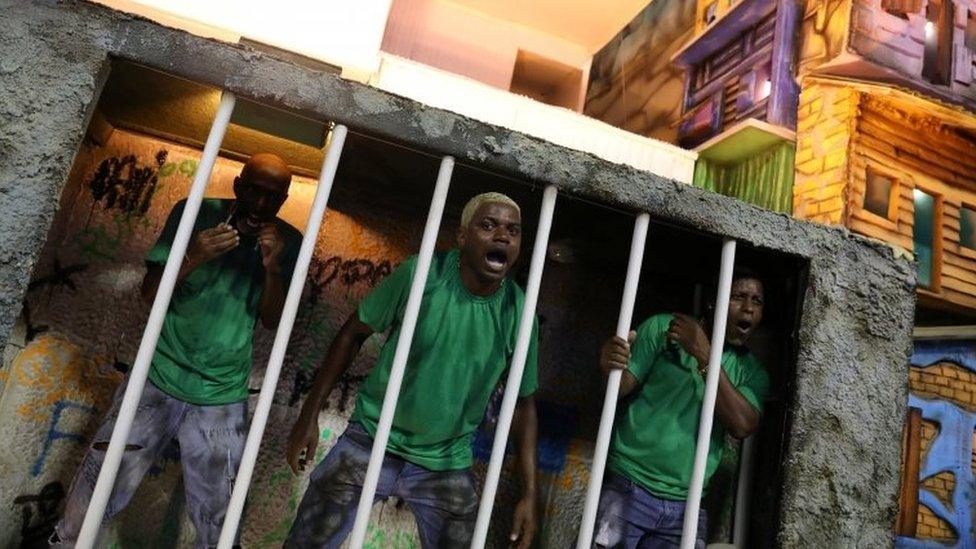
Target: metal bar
519,356
613,384
693,504
402,352
137,377
243,480
740,525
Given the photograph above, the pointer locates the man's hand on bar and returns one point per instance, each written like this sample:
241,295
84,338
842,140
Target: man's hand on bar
615,355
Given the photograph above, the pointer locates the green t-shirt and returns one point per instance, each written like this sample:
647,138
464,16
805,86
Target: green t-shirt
204,350
656,430
461,347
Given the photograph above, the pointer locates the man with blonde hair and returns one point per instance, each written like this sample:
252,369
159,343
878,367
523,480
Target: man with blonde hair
462,345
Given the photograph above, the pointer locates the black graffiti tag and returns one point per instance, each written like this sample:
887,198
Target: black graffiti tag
123,184
39,514
349,272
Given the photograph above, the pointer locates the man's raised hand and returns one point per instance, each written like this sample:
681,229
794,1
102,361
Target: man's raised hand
210,243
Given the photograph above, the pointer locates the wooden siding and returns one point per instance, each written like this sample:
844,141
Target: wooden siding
918,152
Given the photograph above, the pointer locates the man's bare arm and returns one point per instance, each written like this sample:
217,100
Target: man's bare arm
343,350
525,430
734,412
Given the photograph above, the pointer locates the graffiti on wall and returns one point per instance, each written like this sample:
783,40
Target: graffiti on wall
84,317
948,404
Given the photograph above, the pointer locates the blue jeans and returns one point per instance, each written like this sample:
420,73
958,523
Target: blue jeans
211,442
631,517
444,503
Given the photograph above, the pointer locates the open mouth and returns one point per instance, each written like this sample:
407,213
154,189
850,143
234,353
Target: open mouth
496,260
744,326
252,222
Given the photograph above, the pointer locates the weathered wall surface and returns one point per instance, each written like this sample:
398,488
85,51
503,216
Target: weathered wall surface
842,465
41,131
633,84
823,33
899,44
921,153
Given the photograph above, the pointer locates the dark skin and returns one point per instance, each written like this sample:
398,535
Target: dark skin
488,246
260,190
733,411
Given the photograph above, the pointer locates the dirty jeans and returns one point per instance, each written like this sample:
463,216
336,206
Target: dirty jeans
211,440
631,517
444,503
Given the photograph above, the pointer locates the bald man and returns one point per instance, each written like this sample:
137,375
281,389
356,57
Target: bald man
236,270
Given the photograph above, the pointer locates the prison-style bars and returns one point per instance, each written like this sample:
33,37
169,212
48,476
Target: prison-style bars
613,384
402,352
137,377
243,480
693,502
515,370
740,523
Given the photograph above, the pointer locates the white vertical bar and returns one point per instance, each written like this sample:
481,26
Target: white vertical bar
515,370
243,480
402,352
137,377
711,390
740,526
613,384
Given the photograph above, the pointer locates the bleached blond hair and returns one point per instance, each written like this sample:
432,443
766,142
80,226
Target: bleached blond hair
484,198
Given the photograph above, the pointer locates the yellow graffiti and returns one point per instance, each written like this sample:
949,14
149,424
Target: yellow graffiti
60,370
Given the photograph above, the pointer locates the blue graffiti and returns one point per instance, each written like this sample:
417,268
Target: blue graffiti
951,451
557,425
53,434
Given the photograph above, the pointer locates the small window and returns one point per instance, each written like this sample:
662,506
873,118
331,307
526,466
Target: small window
878,193
924,235
967,227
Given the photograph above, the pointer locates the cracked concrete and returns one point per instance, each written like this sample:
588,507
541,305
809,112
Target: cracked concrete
851,385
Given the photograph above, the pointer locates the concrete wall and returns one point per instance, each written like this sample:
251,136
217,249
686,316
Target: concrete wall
842,452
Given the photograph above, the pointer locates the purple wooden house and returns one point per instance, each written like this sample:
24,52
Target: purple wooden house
741,66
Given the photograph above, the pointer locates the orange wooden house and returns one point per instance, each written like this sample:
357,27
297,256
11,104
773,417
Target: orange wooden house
886,135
